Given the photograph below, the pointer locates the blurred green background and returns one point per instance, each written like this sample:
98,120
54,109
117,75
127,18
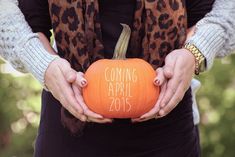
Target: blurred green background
20,111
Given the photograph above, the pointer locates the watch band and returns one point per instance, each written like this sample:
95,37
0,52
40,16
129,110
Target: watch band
200,60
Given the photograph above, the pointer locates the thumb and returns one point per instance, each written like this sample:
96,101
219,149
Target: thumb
168,68
68,72
81,81
160,78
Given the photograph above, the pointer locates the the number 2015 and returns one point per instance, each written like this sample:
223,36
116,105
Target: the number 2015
120,104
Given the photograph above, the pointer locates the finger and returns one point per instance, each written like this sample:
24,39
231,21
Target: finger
177,97
169,92
68,95
100,120
81,81
152,112
172,84
142,119
159,80
68,72
71,110
169,66
80,100
156,108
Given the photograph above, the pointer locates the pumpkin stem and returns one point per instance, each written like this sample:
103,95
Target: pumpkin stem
122,44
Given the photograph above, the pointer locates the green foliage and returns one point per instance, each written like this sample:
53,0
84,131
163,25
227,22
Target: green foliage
19,115
217,106
20,108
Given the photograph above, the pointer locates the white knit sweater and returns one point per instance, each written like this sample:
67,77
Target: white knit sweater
215,33
19,45
215,36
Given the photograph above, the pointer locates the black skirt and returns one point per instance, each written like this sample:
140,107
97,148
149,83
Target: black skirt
172,136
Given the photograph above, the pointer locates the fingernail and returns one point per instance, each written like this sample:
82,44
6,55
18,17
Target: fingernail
83,83
99,116
134,121
155,82
83,118
161,112
110,121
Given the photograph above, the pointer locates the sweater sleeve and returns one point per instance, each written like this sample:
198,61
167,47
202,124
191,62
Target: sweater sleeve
215,34
19,45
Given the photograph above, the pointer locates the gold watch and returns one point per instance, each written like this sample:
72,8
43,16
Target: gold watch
200,60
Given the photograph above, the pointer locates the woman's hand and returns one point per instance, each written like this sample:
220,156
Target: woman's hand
77,86
179,69
58,79
161,81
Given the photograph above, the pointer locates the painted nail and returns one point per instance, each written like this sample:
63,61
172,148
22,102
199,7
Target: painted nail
83,83
157,82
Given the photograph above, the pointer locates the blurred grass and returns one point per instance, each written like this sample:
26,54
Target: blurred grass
19,115
217,105
20,110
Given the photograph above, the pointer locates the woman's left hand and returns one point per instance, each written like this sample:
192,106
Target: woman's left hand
179,69
161,82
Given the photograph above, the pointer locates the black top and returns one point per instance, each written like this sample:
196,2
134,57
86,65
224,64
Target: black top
174,135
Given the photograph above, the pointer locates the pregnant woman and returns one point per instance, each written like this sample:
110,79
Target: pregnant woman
86,31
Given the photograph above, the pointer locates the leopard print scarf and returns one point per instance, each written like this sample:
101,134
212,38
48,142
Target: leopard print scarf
159,27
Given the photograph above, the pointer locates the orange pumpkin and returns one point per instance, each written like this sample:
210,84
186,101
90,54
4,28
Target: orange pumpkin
120,87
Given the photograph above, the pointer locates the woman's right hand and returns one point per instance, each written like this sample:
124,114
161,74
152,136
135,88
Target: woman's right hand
77,86
65,84
61,80
58,78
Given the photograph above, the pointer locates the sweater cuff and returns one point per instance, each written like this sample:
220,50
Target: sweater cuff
209,40
36,58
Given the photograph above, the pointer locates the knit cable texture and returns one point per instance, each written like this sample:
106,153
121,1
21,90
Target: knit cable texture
215,34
